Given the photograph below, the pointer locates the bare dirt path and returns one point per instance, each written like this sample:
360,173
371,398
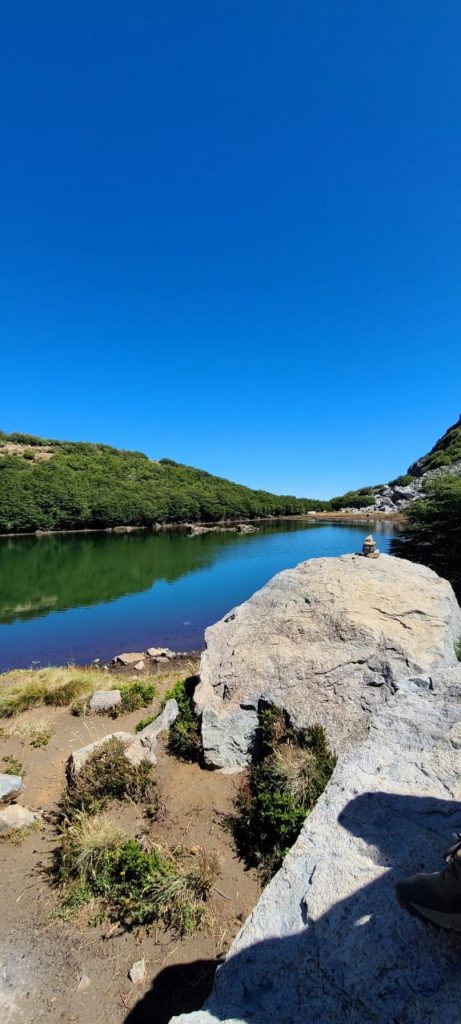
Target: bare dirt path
74,973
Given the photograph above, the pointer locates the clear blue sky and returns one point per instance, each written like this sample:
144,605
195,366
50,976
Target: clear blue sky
231,231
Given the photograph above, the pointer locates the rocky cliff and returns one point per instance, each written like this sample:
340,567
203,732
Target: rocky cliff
367,648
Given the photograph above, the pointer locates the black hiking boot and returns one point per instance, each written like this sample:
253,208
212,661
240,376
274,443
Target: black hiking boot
435,897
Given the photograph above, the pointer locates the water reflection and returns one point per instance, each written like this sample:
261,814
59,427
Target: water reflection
82,596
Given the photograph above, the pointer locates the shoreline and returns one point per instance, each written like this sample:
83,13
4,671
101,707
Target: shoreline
219,524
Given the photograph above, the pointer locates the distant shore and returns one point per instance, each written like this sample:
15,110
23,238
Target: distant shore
220,524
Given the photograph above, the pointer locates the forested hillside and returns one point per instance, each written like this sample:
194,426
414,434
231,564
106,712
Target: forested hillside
60,485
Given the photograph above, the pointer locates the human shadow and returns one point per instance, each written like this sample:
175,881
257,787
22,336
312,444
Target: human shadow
364,959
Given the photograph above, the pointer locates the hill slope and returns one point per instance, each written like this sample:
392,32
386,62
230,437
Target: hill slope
445,452
59,485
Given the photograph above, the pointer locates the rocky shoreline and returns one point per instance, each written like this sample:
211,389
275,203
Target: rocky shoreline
221,526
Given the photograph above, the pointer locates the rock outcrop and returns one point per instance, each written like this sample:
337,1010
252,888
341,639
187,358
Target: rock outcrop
327,940
328,641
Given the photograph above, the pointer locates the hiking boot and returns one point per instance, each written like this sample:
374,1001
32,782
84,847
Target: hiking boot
435,897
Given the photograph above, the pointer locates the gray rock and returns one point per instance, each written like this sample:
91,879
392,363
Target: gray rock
137,972
78,757
105,700
128,659
10,787
228,739
15,817
84,983
143,747
160,652
140,666
327,940
406,493
327,641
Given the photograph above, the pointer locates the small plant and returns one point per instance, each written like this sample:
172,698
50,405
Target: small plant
97,861
144,722
184,738
85,843
137,695
107,775
11,766
292,770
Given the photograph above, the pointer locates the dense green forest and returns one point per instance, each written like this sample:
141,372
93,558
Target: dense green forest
59,485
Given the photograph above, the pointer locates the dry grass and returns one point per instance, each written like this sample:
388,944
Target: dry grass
87,841
27,688
37,732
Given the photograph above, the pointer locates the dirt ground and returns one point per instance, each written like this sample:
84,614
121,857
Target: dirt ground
43,958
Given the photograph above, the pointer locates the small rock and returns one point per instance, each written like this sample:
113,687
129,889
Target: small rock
15,816
143,747
10,787
137,973
84,983
160,652
78,757
140,666
128,659
105,700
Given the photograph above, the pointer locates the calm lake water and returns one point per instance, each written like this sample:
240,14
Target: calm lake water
80,597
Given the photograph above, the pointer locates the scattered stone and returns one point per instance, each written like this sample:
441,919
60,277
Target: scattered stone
78,757
14,817
144,745
105,700
160,652
84,983
137,973
327,641
10,787
128,659
140,666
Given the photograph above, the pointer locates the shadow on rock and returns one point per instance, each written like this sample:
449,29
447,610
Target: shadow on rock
363,961
180,988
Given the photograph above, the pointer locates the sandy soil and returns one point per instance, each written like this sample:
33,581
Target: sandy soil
43,958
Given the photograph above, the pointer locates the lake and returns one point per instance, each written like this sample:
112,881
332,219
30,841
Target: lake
82,596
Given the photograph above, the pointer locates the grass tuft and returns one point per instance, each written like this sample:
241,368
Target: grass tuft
279,790
107,775
57,687
12,766
184,739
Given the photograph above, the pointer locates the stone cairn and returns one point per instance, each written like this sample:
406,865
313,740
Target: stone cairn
369,549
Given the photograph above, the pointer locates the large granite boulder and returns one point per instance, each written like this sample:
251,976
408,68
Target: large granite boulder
327,641
327,940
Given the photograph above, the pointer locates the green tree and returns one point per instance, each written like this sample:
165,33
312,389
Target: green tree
432,530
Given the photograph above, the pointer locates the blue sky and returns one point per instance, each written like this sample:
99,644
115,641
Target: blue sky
230,231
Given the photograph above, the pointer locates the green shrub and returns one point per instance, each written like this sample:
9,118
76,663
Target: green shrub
458,648
431,532
135,886
402,481
144,722
107,775
184,737
353,499
290,773
137,695
12,766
